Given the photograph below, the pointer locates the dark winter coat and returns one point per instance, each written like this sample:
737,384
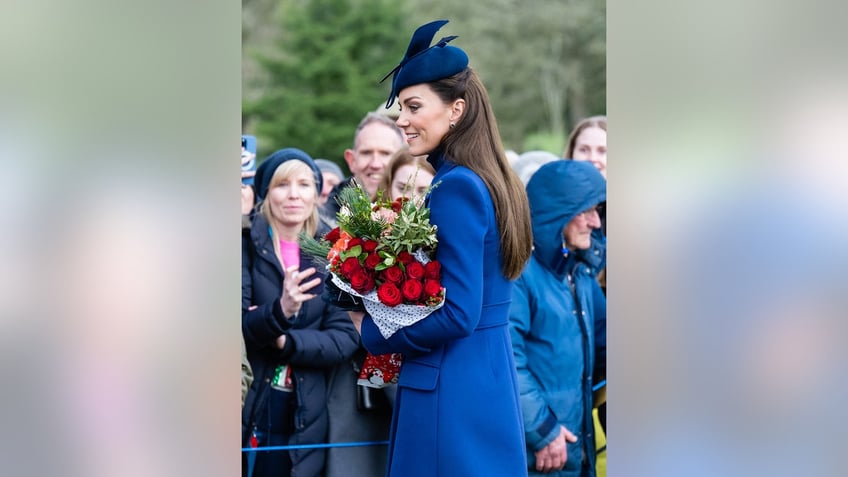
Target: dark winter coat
320,337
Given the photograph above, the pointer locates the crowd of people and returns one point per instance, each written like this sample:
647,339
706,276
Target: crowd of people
497,382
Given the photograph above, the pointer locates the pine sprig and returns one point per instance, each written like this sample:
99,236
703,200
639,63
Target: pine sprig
355,214
318,250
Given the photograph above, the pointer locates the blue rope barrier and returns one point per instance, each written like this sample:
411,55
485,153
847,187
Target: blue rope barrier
315,446
351,444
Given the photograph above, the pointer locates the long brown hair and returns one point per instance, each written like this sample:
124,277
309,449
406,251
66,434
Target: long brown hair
474,142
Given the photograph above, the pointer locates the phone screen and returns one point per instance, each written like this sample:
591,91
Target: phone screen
248,157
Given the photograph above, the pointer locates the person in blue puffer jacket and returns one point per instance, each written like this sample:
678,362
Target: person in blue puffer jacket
558,319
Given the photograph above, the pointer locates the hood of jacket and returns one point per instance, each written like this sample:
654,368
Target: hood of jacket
557,192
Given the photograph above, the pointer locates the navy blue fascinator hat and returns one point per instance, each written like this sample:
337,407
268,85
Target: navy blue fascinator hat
266,169
424,63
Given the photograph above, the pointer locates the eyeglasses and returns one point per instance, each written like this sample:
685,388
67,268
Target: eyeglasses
589,212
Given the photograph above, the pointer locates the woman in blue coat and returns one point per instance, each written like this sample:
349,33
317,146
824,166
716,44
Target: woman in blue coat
457,411
558,319
293,337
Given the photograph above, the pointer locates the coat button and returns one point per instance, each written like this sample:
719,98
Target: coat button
267,380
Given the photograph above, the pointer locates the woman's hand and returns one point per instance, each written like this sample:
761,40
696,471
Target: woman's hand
295,288
247,198
356,317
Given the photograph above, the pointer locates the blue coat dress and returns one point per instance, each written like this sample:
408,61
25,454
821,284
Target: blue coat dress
457,409
558,317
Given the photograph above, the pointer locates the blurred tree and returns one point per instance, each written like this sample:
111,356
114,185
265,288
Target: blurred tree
543,61
322,76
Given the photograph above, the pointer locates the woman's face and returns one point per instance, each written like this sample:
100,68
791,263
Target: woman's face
424,118
293,199
410,181
591,145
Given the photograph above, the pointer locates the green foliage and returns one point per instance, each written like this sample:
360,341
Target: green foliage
542,61
322,76
545,141
355,216
402,225
411,229
318,250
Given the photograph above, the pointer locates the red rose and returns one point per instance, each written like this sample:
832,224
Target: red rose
354,242
415,270
393,274
369,245
405,258
361,281
372,261
389,294
333,236
433,270
398,203
349,266
432,287
411,290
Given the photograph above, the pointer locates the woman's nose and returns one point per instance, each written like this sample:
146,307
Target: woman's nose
401,120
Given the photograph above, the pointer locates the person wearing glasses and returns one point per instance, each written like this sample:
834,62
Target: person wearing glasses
558,319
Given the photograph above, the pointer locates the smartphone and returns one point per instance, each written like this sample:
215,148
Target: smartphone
248,157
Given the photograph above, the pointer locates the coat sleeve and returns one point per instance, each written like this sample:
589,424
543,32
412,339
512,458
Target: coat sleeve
540,423
462,210
334,342
261,326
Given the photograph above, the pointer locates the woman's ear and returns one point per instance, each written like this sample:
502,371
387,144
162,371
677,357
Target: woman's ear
457,109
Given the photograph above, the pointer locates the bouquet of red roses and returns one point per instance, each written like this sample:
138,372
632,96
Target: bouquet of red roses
383,253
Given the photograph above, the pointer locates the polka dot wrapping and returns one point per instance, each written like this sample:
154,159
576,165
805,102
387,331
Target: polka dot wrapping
388,319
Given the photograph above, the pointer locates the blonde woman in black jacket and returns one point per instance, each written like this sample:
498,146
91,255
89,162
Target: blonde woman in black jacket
293,337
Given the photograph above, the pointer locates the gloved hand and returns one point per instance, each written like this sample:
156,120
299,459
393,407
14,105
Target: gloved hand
340,298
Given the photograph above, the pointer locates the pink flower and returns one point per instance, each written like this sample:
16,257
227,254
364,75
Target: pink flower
386,215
